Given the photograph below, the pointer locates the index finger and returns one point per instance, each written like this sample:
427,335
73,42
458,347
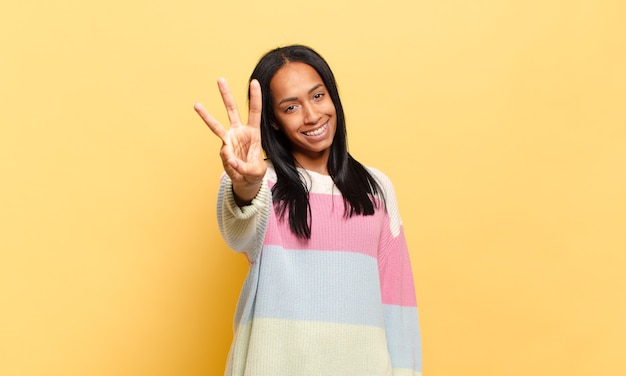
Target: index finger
209,120
229,101
256,104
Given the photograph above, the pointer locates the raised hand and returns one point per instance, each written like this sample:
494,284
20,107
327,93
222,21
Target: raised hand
241,150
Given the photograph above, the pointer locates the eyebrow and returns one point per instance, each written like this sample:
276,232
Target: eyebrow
295,98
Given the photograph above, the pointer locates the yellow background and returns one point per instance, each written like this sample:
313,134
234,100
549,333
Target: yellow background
501,123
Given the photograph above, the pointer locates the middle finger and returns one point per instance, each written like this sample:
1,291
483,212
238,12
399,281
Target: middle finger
229,102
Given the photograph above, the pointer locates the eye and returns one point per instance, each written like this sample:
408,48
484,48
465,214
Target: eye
318,96
290,108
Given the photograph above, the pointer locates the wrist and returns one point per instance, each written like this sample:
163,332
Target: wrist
244,194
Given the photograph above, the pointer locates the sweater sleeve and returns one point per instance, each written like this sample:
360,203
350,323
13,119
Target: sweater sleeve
243,228
398,291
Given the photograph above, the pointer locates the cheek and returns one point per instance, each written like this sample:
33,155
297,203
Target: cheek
331,108
280,120
286,123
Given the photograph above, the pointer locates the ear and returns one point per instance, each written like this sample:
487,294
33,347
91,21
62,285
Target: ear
274,126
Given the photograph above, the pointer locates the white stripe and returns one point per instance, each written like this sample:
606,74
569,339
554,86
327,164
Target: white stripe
302,348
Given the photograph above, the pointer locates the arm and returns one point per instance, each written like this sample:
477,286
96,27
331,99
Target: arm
398,291
244,199
400,308
243,227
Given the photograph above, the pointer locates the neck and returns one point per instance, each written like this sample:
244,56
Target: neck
317,163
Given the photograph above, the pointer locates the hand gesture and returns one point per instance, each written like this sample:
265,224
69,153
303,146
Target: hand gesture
241,150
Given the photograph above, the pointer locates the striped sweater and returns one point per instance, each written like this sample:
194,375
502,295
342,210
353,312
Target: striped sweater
341,303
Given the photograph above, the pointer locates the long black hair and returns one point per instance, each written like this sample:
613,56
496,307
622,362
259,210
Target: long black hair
290,194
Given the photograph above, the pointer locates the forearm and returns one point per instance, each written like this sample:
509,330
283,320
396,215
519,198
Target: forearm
242,226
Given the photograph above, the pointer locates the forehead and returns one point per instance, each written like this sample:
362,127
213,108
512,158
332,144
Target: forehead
293,78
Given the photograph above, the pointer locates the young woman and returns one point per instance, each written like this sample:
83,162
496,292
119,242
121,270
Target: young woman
330,288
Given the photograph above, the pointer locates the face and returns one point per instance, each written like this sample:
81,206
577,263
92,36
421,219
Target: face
305,112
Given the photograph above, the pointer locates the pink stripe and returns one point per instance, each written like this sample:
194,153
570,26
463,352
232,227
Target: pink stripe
396,277
369,235
330,230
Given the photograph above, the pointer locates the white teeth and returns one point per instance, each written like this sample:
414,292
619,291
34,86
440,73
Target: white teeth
317,132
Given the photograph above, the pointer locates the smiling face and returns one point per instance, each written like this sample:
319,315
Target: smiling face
305,113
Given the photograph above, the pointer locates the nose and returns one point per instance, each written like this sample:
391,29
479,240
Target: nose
311,114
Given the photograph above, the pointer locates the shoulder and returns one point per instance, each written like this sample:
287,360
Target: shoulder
270,174
378,174
390,198
383,180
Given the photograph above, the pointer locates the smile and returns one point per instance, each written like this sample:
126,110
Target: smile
318,131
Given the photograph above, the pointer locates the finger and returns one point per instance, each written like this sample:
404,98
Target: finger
235,168
209,120
230,162
230,167
226,153
229,102
254,117
241,170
